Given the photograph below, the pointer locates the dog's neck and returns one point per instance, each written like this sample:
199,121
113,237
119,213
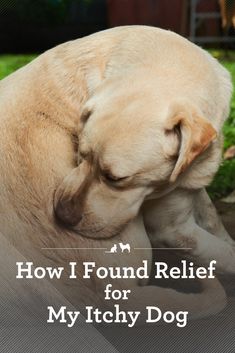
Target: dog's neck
64,91
66,82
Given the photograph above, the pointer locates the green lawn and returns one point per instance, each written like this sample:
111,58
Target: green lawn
10,63
224,181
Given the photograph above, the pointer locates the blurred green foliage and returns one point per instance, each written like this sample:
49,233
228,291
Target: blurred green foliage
10,63
224,182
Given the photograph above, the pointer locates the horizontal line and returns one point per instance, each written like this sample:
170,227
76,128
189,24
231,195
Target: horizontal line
74,248
163,248
107,249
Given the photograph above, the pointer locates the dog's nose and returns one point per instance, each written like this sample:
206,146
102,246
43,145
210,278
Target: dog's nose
67,214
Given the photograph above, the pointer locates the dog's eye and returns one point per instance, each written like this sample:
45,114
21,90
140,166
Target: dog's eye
112,178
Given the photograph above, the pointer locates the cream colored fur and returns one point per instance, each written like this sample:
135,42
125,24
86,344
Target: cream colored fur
123,92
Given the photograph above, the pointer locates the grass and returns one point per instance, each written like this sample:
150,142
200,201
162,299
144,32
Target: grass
224,181
10,63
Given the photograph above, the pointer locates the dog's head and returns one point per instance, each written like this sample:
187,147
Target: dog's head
132,143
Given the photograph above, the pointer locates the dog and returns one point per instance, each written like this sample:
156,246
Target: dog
89,131
146,133
125,247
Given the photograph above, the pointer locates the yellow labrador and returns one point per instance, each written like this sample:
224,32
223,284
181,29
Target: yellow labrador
145,104
152,124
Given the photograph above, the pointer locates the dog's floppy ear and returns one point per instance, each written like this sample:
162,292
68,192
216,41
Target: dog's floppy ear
195,134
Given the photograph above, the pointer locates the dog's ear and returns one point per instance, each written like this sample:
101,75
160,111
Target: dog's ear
195,134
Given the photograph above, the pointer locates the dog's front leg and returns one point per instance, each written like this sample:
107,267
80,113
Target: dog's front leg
201,246
170,222
206,216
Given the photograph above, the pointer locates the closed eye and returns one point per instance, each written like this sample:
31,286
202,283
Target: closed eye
112,178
